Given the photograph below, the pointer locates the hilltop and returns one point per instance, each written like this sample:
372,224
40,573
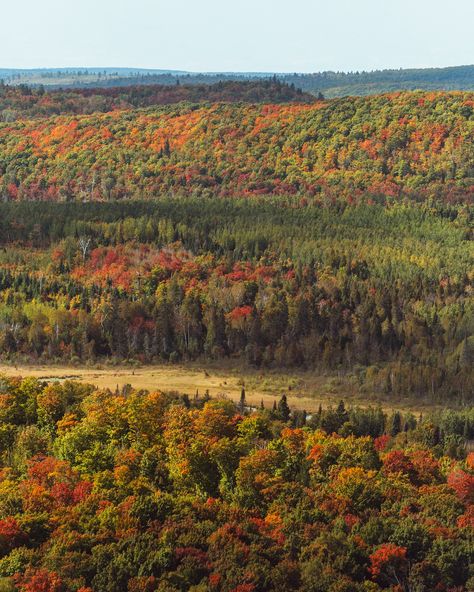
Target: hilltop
24,102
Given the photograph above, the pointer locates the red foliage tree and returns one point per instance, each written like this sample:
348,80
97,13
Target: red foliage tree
397,461
11,535
463,485
39,580
388,564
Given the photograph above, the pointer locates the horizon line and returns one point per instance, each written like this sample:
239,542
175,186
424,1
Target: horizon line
173,71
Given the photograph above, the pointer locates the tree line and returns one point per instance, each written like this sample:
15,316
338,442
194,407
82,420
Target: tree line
24,102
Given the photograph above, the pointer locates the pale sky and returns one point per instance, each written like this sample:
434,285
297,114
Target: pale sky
237,35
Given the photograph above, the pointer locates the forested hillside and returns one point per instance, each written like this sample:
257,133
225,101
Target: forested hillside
236,308
415,144
331,84
380,293
23,102
340,84
159,492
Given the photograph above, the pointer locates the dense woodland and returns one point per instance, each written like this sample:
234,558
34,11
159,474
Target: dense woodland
23,102
331,84
415,144
334,236
380,291
154,492
339,84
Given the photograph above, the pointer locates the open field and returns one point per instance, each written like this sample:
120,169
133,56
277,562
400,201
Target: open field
305,390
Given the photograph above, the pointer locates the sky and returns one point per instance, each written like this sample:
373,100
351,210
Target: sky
237,35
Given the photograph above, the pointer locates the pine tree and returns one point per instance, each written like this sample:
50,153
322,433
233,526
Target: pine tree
283,409
242,401
466,430
395,424
342,413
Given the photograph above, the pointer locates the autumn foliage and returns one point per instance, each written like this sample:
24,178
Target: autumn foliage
336,288
415,144
155,492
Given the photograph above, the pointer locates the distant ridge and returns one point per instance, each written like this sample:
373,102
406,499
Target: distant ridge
331,84
122,71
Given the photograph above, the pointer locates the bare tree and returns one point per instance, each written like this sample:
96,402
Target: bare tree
84,245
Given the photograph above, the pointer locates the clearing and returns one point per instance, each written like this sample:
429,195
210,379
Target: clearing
305,390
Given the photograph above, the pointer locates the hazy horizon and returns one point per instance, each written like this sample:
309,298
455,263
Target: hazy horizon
211,72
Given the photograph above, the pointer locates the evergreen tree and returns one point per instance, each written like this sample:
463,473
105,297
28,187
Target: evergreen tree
242,401
283,409
395,424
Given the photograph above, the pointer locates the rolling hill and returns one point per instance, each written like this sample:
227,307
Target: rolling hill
331,84
416,144
24,102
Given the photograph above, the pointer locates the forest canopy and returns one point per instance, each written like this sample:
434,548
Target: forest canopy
134,491
251,225
24,102
419,145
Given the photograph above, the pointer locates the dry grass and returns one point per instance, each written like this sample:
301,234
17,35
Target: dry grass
305,390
